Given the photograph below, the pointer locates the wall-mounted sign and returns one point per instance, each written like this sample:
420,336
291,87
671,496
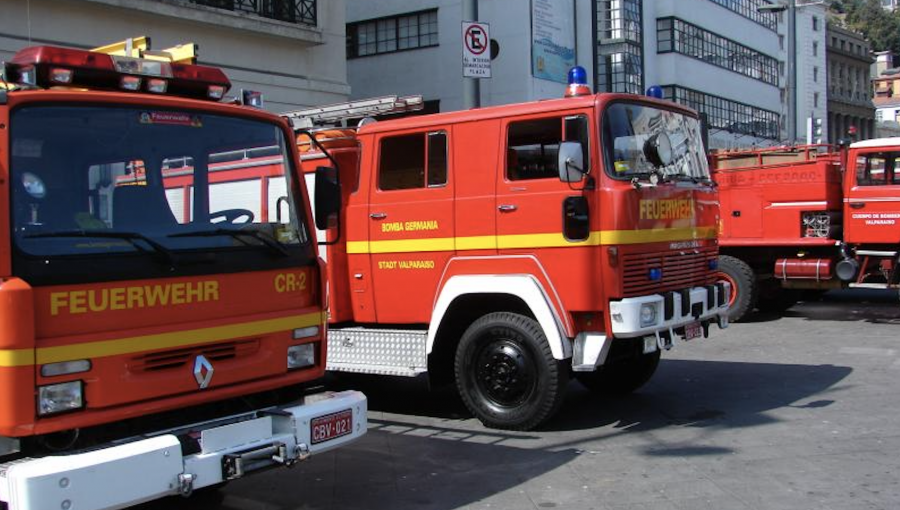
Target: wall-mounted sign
552,39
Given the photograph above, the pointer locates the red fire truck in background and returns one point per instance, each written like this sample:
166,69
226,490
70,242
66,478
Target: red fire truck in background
807,218
506,247
161,298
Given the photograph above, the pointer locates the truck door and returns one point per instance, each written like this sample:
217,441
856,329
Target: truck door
872,201
411,228
534,207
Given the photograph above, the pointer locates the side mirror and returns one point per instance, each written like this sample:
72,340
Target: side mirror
658,150
327,197
571,162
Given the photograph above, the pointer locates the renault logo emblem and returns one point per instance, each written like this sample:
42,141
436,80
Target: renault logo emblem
203,371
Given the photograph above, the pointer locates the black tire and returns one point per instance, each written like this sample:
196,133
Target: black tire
621,377
745,290
506,374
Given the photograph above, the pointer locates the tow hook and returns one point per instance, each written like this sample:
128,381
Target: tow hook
186,484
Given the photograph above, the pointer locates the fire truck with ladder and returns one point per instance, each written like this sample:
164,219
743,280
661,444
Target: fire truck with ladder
806,219
505,248
163,322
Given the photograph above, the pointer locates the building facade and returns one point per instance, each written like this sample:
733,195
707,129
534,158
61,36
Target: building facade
849,89
721,57
290,50
886,87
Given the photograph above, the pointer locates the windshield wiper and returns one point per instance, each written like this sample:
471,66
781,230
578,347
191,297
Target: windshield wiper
132,237
269,242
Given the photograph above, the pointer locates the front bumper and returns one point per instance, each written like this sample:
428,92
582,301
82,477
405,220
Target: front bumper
178,462
673,310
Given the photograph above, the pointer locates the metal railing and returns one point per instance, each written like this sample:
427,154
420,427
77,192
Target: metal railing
291,11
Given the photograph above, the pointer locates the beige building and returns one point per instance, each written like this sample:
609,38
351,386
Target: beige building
293,51
849,90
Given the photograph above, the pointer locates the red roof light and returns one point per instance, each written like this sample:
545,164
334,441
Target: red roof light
45,66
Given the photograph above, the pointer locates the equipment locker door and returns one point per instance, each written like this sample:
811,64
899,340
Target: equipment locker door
411,228
872,201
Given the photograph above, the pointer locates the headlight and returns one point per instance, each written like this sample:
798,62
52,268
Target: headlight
56,398
299,356
648,314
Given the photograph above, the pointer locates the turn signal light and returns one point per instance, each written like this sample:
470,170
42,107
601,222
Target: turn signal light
61,75
216,92
131,83
157,86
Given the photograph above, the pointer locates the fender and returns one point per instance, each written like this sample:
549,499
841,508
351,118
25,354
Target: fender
523,286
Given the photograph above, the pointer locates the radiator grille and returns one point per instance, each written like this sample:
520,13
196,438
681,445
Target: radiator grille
680,270
176,358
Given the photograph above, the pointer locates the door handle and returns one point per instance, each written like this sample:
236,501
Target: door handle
857,205
507,208
378,215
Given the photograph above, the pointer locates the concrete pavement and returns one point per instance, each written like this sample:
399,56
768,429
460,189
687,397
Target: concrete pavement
797,412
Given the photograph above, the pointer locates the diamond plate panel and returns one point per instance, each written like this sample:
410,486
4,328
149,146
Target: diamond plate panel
377,351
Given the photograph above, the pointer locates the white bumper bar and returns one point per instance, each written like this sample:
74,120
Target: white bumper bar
127,474
630,316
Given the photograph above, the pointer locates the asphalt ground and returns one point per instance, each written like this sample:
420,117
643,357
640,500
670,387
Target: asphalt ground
794,412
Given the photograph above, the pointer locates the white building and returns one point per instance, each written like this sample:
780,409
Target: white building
293,51
721,57
812,72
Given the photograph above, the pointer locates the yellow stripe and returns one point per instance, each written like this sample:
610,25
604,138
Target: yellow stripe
132,345
16,358
556,240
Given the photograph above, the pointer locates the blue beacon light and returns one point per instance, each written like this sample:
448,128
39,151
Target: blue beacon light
655,91
577,83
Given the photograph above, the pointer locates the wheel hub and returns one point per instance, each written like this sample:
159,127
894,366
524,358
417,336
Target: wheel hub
503,373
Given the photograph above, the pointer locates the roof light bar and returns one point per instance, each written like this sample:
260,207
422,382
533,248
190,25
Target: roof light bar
47,66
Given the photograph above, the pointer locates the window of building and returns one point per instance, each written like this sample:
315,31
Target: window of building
815,99
727,115
815,74
676,35
750,10
815,23
620,56
815,49
396,33
413,161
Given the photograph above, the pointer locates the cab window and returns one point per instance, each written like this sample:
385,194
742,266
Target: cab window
532,146
878,169
413,161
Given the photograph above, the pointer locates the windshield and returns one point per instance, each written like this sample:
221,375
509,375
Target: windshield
642,141
161,192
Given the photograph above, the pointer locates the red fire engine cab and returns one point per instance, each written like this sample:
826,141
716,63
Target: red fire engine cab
162,324
804,218
506,247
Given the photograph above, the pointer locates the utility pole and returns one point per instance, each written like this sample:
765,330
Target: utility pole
471,86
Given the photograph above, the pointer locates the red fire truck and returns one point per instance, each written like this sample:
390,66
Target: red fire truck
807,218
163,325
506,247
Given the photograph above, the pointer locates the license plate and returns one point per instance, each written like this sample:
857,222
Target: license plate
693,330
331,426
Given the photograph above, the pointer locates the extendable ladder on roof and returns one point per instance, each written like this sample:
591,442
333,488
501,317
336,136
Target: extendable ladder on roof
335,114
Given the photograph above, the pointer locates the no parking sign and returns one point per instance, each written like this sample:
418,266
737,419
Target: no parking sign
476,49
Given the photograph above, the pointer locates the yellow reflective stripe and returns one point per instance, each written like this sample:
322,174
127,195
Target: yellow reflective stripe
555,240
16,358
132,345
661,235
